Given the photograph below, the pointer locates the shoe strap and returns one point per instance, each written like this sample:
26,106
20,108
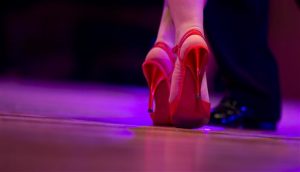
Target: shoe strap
189,33
167,49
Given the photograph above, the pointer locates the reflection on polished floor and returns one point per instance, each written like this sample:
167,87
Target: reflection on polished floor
67,127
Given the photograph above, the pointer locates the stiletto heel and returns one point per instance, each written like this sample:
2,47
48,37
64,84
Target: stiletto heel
187,109
155,77
157,72
197,67
150,105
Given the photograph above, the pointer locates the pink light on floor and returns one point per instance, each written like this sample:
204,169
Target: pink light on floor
104,103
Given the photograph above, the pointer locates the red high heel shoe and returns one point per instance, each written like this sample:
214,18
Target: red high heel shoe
157,72
187,109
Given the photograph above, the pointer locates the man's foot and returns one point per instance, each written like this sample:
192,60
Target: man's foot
234,114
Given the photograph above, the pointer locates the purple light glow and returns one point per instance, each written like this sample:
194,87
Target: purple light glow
208,129
104,103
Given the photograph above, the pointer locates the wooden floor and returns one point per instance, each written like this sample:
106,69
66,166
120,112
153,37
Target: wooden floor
89,128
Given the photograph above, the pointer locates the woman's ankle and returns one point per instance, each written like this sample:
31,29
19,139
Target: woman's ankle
185,28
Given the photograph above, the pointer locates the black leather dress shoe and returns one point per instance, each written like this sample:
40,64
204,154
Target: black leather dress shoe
234,114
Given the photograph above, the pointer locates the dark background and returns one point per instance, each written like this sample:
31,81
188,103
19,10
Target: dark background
96,41
77,40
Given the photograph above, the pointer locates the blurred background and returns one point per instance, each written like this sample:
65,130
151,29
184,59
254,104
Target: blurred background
106,42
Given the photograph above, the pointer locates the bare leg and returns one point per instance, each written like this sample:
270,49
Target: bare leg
166,34
187,14
158,68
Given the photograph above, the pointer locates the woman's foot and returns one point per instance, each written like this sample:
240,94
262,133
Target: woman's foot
189,97
177,78
158,68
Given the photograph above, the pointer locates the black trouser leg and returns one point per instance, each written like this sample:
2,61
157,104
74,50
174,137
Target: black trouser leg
237,32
